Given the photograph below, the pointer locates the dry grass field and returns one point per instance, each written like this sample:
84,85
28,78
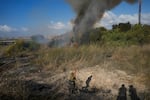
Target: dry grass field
47,72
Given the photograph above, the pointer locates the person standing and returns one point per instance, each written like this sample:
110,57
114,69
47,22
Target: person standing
133,93
72,82
122,95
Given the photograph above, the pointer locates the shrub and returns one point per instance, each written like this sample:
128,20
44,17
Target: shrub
122,34
21,46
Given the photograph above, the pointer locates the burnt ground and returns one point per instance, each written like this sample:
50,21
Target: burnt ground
28,84
25,81
30,90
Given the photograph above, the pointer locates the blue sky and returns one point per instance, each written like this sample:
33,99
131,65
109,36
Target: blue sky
28,17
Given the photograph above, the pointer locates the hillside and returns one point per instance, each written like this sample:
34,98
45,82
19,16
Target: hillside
44,73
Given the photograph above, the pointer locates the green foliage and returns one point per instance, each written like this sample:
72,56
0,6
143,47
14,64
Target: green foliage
138,34
96,34
123,27
115,37
121,35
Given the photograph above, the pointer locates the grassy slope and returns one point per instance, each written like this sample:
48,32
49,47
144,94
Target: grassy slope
110,66
133,59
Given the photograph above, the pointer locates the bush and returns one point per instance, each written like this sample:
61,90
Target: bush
21,46
123,27
122,35
138,34
96,34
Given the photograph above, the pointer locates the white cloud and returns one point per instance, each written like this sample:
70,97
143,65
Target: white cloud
59,27
6,28
24,29
110,18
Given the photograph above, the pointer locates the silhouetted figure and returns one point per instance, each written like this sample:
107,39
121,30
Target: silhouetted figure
88,81
72,83
122,93
133,93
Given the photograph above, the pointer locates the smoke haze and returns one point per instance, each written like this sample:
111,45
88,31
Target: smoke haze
89,12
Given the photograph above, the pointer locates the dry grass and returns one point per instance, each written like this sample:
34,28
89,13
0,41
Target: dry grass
110,66
133,60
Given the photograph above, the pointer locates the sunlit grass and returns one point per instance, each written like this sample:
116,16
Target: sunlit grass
132,59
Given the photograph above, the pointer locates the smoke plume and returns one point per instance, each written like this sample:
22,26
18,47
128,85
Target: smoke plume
89,12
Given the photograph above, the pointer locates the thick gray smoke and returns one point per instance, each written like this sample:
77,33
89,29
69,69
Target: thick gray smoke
89,12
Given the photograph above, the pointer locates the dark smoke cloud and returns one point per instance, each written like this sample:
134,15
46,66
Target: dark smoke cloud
89,12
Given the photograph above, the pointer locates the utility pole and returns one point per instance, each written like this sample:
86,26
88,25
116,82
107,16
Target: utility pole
140,7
